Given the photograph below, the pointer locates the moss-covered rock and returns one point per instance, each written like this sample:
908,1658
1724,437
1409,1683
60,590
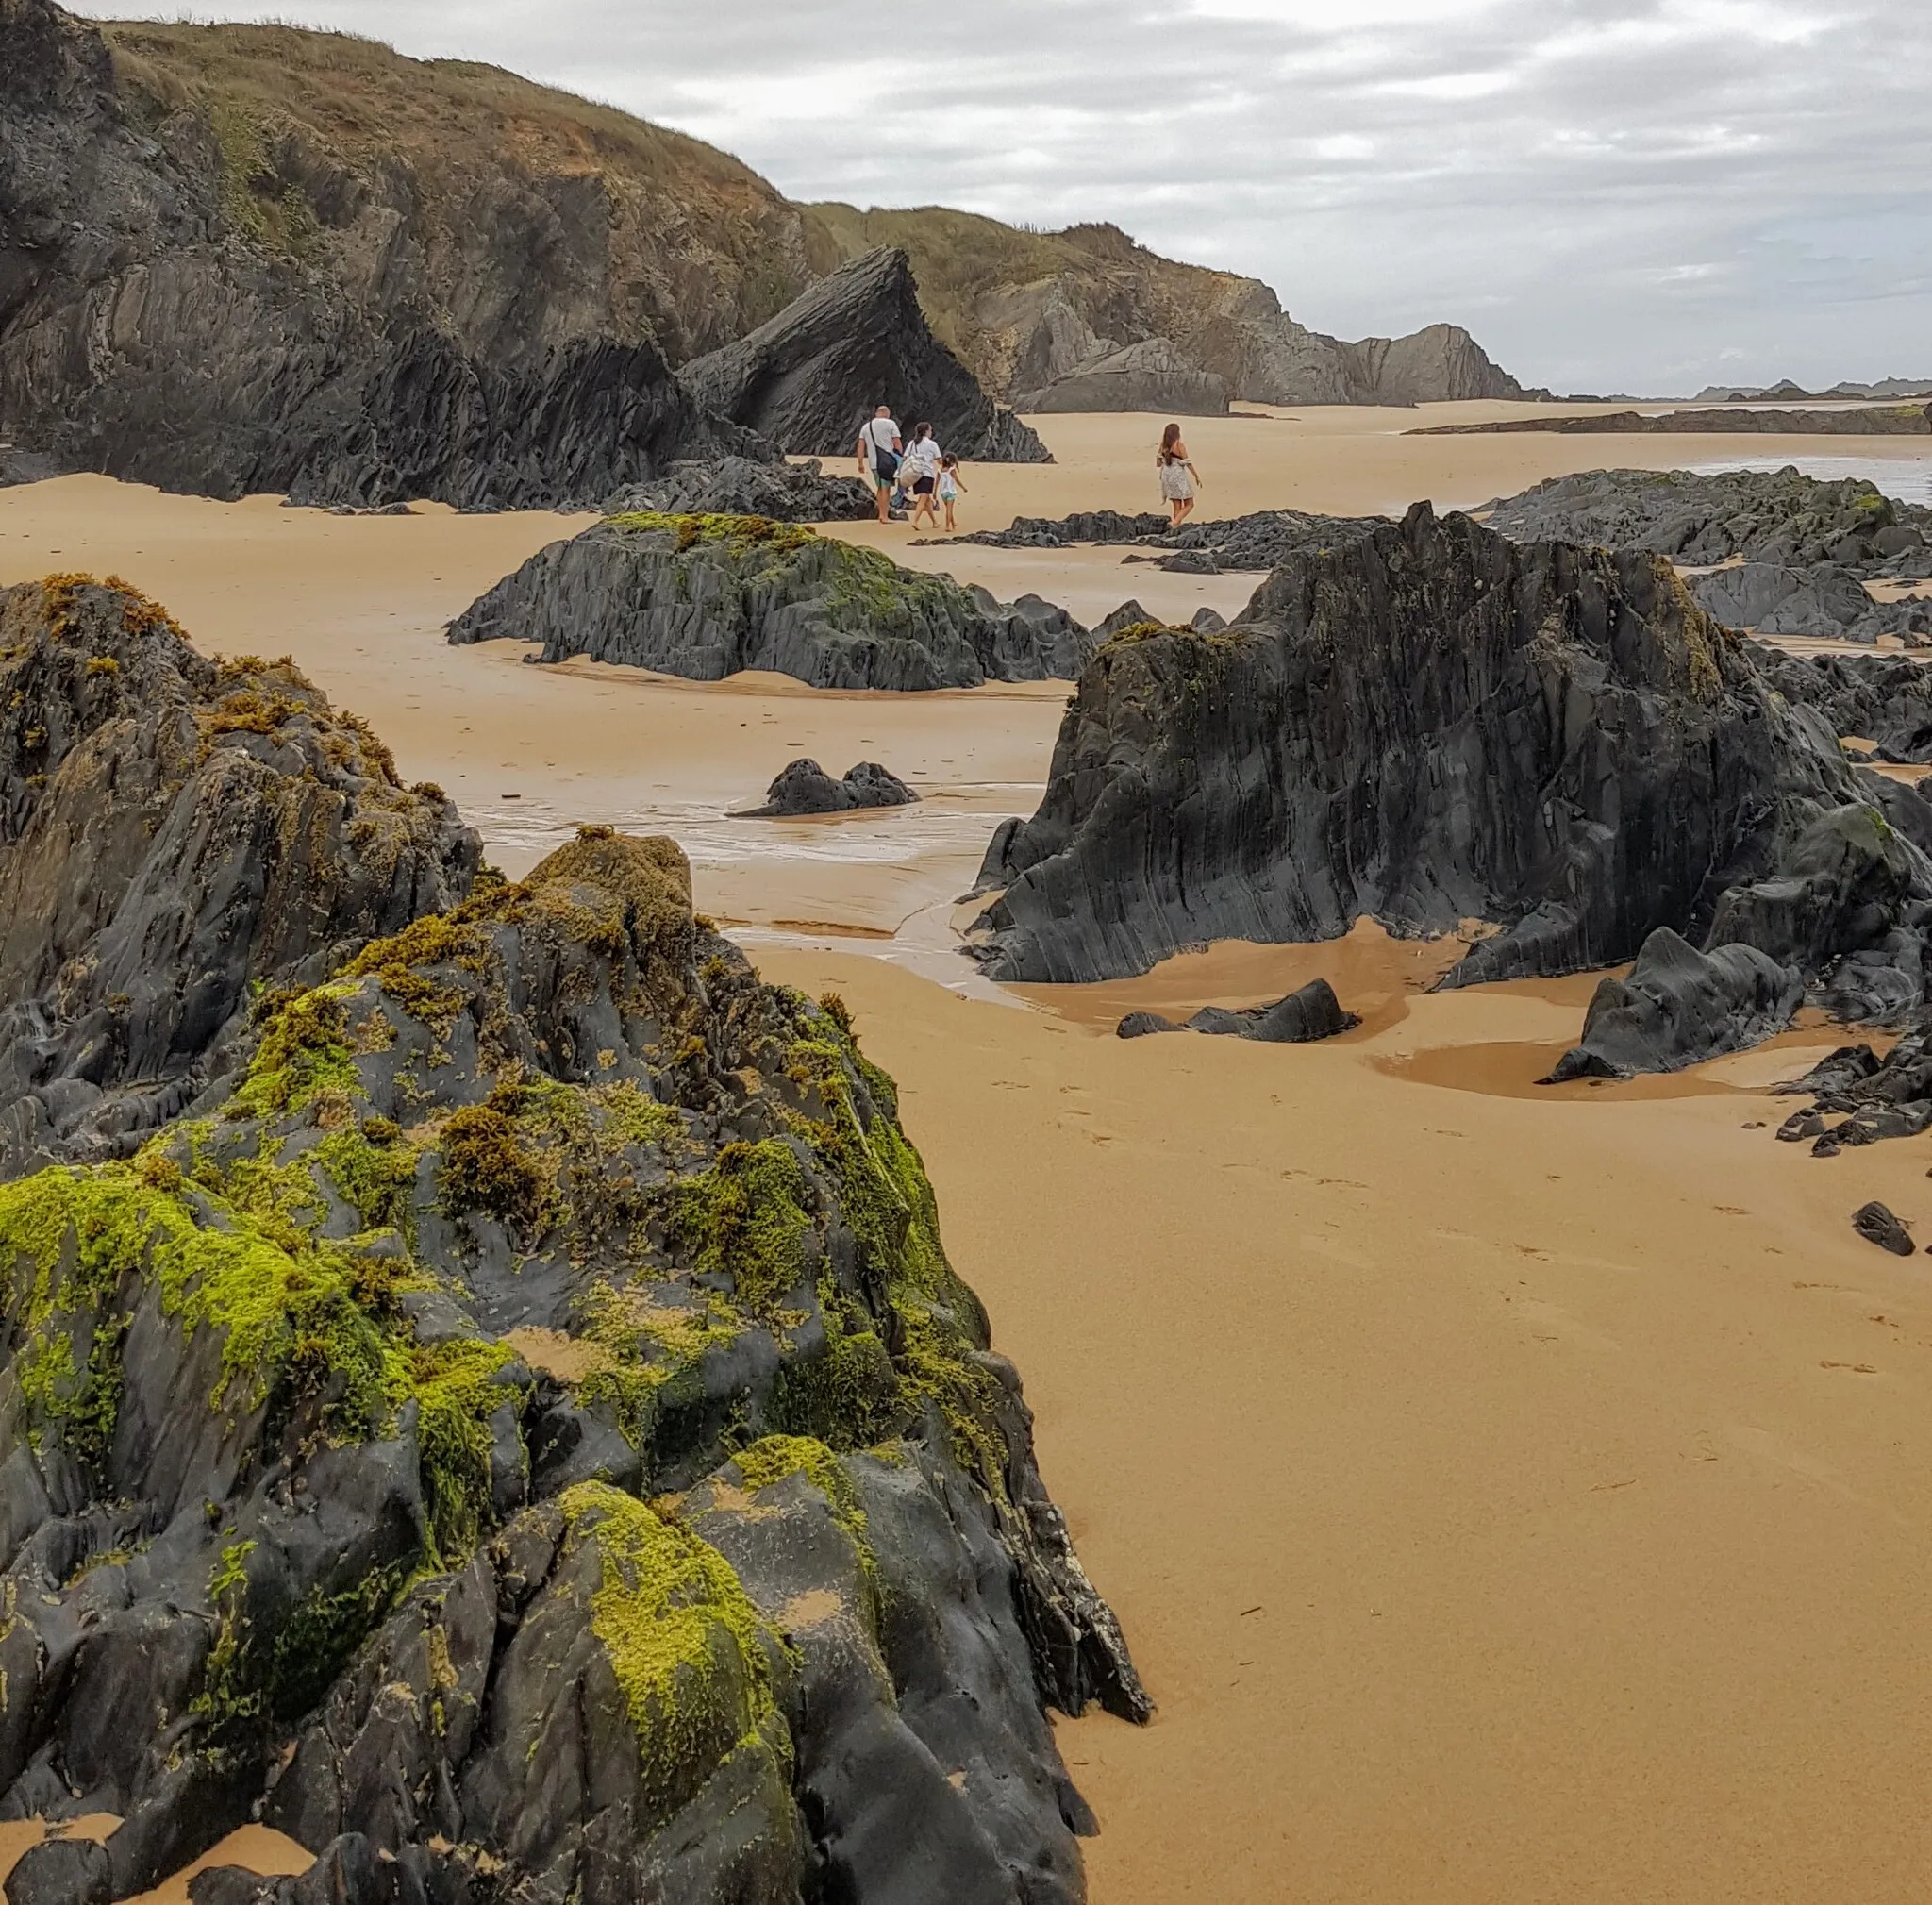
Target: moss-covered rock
372,1416
706,596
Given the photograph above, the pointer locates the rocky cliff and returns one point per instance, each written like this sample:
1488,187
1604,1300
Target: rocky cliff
706,596
811,377
1431,724
207,300
509,1423
1038,315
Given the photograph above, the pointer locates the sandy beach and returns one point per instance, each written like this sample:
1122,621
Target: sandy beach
1509,1496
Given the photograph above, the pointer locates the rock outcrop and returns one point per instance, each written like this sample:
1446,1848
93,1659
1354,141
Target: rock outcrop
803,787
706,597
1258,542
1884,699
1302,1018
736,486
1679,1007
1781,518
808,379
1773,551
177,836
1433,724
1032,311
176,311
515,1429
1877,1223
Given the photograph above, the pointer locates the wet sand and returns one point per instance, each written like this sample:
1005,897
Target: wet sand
1509,1494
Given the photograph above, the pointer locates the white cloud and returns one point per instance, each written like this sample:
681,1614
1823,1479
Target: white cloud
1616,194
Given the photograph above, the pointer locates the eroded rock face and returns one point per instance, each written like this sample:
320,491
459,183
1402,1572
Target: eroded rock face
516,1430
1152,375
175,835
706,597
154,328
810,377
1433,724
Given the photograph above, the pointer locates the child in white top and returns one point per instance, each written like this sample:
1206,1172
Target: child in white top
950,488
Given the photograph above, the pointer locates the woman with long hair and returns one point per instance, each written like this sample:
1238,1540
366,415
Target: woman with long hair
1180,482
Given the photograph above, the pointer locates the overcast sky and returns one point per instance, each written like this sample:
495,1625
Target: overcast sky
1631,195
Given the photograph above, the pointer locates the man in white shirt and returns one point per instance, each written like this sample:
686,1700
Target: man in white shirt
878,456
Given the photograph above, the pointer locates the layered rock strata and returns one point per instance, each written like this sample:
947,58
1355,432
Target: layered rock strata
514,1428
706,596
808,380
1430,724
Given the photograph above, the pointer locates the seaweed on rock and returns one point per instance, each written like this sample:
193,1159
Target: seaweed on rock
517,1426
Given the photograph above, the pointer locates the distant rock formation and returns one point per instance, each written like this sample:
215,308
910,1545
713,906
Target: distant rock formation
706,596
803,787
1258,543
1431,724
813,376
1787,391
1124,330
1890,420
1152,374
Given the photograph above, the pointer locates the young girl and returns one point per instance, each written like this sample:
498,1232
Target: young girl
950,488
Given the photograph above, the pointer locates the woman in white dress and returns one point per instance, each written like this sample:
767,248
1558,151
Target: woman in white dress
1180,482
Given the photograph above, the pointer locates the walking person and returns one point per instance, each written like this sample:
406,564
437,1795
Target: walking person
878,456
1180,482
922,471
951,488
